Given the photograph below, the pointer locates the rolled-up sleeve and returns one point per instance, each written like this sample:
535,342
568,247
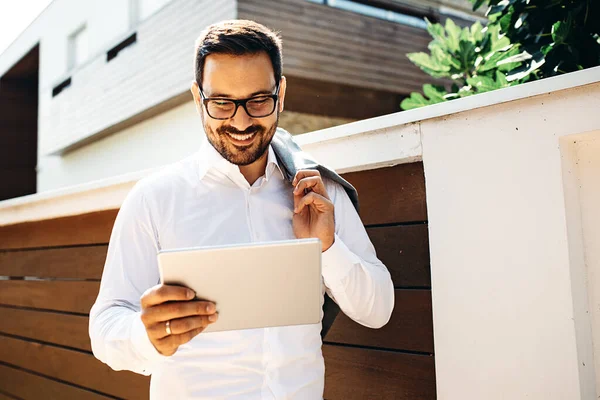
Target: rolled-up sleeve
353,275
117,334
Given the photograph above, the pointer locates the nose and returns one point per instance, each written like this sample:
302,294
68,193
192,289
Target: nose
241,120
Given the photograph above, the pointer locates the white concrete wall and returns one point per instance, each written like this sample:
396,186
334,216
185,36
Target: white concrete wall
509,289
157,141
586,175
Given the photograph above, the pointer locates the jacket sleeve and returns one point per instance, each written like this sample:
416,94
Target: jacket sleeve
354,277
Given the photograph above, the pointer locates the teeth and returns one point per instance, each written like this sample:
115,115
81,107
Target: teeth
241,137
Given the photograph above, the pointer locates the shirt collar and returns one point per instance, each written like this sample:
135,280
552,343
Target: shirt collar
210,158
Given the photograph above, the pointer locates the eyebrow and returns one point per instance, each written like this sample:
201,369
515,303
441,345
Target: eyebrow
228,96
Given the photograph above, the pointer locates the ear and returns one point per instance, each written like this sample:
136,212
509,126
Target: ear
197,98
282,88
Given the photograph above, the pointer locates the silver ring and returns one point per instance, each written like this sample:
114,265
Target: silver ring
168,327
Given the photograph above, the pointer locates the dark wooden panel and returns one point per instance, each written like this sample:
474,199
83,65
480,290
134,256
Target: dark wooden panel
404,249
84,262
4,396
92,228
71,296
344,47
410,327
27,67
391,195
355,373
72,366
63,329
28,386
347,22
17,182
337,100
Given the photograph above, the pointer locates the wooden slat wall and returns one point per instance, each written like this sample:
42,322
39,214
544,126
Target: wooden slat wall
44,345
329,44
18,127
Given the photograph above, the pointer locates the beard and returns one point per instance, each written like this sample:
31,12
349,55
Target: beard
241,155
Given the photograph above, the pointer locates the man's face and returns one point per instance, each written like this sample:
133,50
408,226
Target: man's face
242,139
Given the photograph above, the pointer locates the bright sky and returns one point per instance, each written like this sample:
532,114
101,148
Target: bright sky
15,17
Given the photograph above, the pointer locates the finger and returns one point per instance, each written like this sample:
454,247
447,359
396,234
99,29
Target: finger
180,325
162,293
304,173
315,200
313,183
180,309
169,344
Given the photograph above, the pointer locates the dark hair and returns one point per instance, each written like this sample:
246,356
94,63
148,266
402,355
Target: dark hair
238,37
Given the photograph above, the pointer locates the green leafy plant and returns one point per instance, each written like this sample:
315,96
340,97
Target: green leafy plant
524,40
475,58
556,36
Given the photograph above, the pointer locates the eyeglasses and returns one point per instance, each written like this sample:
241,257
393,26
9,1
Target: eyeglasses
256,107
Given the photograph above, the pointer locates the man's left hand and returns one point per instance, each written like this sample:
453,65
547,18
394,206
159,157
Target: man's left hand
313,210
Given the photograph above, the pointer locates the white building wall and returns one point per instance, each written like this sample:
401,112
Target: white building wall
104,20
156,141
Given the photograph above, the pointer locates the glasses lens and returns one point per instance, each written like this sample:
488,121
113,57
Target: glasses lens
220,108
260,106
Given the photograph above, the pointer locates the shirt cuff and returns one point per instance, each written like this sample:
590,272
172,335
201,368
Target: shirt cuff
142,344
337,262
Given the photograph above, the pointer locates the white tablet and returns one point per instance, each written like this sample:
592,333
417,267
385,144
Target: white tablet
253,285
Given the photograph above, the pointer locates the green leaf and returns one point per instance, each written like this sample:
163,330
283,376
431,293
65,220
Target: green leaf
476,32
524,71
434,92
497,41
506,20
467,54
482,83
524,56
453,32
498,8
426,63
477,4
416,100
560,32
501,79
437,32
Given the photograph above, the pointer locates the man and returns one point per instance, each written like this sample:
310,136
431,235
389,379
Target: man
231,191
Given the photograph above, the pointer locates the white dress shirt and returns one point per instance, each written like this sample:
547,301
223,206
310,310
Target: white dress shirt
205,200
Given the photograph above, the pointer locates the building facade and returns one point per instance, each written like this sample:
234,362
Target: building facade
96,89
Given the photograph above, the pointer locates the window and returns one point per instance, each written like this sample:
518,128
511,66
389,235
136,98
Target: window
374,12
78,51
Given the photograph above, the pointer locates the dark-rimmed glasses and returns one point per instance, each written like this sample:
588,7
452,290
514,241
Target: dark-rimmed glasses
256,107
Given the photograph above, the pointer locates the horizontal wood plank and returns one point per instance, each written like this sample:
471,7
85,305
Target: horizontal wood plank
86,262
404,249
63,329
391,195
92,228
337,20
337,100
28,386
355,373
70,296
410,327
6,396
72,366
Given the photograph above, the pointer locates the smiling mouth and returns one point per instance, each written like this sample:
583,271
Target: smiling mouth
241,140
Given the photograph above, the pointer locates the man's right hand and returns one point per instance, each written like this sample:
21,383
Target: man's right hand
163,303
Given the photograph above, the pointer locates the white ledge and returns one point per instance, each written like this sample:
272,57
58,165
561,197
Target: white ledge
548,85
